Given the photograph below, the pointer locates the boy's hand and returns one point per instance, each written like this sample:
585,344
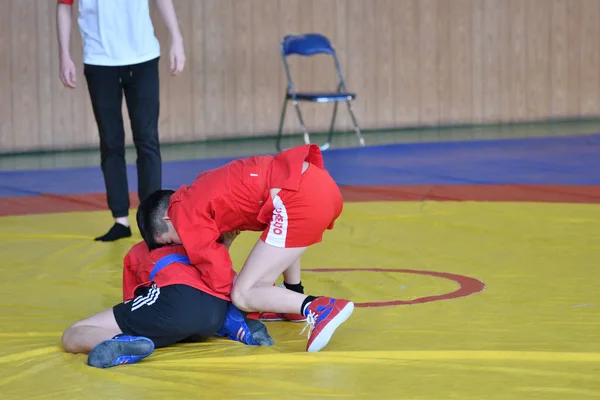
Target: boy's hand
229,237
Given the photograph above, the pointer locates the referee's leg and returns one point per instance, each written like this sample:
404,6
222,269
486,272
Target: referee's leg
106,95
142,94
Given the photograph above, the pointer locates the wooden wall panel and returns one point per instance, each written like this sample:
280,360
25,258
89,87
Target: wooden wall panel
23,73
559,62
444,60
243,113
382,40
411,62
7,132
356,56
573,56
461,66
406,64
492,20
514,67
538,58
428,62
177,101
590,57
195,73
45,68
266,66
341,43
477,59
368,28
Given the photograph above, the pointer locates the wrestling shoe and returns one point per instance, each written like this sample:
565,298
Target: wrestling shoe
323,316
121,349
259,332
270,317
237,327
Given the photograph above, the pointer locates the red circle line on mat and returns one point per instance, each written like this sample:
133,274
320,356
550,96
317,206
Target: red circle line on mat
468,286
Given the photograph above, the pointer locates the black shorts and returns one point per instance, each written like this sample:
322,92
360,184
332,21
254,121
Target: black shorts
171,314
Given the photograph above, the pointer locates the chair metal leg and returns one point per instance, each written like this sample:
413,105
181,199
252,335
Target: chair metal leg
306,136
356,128
332,123
331,126
281,120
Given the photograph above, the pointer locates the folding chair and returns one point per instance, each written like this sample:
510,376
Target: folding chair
309,45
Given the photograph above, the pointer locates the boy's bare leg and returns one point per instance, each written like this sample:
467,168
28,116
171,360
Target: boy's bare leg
95,336
253,289
83,336
291,281
291,276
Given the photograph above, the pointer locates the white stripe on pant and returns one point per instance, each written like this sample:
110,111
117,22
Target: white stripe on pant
279,224
148,299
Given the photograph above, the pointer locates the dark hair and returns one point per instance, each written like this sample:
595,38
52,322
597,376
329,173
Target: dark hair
150,215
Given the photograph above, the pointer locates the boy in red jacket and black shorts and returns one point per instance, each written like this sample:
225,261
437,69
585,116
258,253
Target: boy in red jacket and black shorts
165,301
290,197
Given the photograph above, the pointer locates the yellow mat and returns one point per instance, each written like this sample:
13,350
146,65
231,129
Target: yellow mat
532,333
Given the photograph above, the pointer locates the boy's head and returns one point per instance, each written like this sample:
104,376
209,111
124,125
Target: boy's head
153,222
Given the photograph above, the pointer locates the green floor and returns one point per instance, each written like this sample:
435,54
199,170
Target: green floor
244,147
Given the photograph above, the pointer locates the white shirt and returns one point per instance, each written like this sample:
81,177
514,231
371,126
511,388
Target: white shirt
117,32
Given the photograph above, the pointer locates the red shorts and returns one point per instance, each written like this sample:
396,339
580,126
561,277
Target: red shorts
300,218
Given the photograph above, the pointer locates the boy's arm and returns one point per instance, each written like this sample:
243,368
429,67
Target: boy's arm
201,242
228,238
177,52
130,280
64,22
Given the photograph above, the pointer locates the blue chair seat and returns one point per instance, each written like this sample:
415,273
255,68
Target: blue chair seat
323,97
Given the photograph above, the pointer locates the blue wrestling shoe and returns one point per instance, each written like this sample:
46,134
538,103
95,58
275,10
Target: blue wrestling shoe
122,349
238,328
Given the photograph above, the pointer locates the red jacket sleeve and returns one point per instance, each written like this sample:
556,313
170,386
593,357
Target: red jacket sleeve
199,235
70,2
130,281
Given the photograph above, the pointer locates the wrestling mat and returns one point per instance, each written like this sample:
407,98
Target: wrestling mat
474,266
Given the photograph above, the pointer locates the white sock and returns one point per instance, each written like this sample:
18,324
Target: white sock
305,307
122,220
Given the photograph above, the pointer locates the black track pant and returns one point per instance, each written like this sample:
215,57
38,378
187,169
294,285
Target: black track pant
140,84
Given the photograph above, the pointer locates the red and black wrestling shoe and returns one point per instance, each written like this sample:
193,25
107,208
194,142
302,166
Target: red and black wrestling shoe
324,315
271,316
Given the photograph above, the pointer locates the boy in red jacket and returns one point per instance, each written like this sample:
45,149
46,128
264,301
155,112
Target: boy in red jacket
165,301
290,197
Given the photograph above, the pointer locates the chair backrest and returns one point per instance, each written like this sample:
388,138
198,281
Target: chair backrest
306,45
